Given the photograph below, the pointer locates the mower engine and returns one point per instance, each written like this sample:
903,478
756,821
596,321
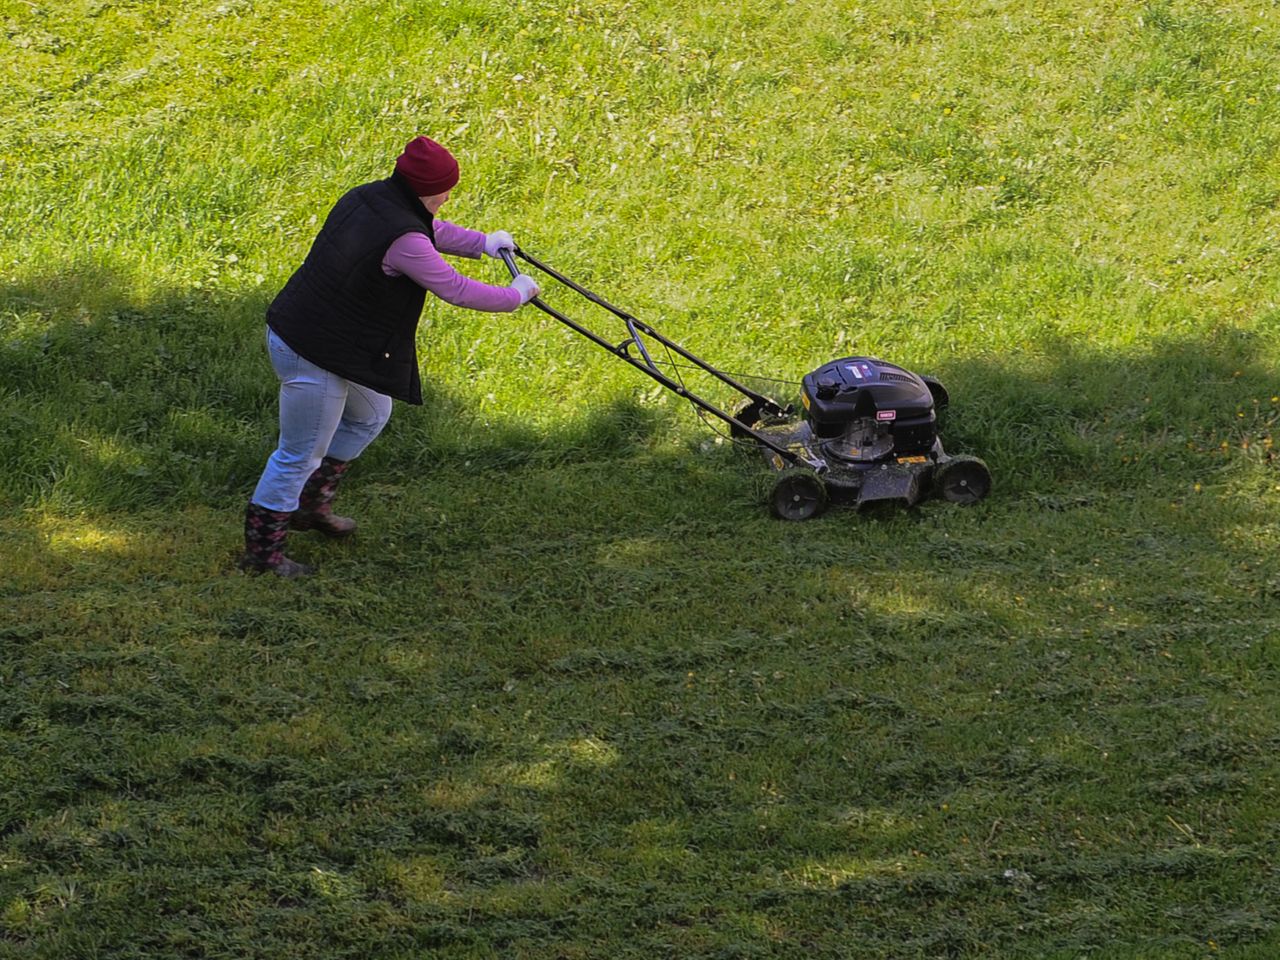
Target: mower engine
869,433
866,411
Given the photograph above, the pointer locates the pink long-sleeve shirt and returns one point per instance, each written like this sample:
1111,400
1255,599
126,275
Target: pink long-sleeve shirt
414,256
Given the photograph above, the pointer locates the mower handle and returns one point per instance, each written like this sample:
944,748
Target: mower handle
636,328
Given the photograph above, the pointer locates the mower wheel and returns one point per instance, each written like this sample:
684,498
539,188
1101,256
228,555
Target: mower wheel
936,390
748,414
798,495
963,480
755,414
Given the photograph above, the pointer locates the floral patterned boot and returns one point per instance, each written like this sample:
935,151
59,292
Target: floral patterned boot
264,535
314,506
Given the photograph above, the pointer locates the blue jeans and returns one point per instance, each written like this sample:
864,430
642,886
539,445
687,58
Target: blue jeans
321,415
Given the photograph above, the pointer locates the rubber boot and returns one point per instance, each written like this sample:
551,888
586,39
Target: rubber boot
264,535
315,511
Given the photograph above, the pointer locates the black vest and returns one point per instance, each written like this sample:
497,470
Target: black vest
340,311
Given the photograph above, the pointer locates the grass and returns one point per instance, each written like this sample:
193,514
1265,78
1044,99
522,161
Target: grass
572,693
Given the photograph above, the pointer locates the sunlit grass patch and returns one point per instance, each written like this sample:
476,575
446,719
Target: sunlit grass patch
830,875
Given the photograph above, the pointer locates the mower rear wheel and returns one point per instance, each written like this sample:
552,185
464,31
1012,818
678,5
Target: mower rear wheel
755,414
962,480
798,495
749,415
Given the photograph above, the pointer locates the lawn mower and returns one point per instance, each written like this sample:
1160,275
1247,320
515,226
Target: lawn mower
867,432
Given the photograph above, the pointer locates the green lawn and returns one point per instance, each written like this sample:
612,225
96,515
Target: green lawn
572,692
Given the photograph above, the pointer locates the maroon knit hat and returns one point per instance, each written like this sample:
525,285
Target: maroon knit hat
429,167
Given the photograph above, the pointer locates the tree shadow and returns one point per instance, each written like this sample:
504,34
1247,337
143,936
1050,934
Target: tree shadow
114,406
581,692
1059,412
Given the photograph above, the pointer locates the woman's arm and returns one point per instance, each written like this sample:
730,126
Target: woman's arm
413,256
459,241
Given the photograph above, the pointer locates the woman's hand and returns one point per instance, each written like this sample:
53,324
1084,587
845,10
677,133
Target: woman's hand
526,286
498,240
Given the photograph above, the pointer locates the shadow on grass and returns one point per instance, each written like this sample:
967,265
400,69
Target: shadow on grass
113,406
1063,413
587,700
534,723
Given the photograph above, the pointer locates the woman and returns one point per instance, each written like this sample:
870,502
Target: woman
341,335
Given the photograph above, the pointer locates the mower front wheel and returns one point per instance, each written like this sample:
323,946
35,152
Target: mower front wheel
798,495
962,480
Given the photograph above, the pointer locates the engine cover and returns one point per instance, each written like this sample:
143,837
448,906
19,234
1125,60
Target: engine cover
841,392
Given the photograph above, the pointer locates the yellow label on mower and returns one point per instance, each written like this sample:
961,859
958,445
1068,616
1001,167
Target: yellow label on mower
913,459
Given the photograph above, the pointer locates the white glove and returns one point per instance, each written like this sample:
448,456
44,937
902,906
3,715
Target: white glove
498,240
527,287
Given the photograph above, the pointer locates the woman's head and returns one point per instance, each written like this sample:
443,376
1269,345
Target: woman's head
429,169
